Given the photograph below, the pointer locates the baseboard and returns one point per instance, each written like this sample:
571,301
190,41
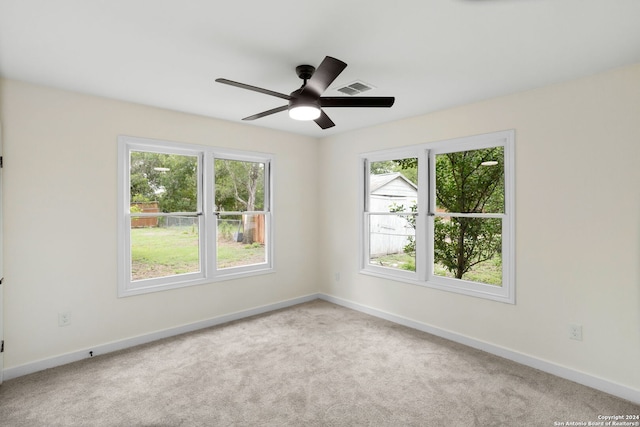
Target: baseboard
588,380
29,368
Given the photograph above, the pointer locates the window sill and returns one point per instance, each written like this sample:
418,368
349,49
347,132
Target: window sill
127,292
482,291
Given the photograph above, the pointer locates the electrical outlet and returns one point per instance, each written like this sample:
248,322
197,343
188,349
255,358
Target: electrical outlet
64,318
575,332
337,277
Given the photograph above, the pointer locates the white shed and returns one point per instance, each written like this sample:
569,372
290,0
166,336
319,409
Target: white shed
389,233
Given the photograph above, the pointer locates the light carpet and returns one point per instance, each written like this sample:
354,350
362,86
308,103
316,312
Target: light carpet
314,364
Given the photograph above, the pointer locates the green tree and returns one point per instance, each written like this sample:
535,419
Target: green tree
239,185
169,179
466,183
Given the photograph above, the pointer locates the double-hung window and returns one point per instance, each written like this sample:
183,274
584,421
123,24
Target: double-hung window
191,214
442,215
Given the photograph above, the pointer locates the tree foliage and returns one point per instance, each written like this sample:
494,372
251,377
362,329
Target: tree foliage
465,185
239,185
407,167
169,179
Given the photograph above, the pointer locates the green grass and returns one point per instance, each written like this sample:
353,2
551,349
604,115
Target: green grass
400,261
233,254
160,252
489,272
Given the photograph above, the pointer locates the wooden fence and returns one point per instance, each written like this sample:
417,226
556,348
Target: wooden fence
152,221
149,221
258,235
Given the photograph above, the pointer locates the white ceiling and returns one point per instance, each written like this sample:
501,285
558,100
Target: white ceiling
429,54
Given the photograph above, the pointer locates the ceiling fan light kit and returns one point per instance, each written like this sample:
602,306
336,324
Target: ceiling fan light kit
306,103
304,112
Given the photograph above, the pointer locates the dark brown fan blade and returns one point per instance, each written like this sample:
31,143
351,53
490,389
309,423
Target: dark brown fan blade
324,121
267,113
357,101
324,75
254,88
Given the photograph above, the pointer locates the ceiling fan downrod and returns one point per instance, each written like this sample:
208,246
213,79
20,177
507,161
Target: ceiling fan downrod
305,72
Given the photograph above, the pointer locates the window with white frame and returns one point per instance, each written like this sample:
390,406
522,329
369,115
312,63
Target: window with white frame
191,214
442,215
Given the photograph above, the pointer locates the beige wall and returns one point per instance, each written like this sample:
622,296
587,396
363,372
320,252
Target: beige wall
577,224
60,151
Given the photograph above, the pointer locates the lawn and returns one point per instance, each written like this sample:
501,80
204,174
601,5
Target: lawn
489,272
160,252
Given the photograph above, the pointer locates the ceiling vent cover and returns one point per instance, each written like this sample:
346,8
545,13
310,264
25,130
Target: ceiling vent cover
355,88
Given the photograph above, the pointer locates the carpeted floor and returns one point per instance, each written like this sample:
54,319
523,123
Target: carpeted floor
315,364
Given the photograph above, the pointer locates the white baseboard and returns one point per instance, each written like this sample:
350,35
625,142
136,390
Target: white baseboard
29,368
588,380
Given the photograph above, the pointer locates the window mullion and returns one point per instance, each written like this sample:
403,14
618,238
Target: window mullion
202,223
365,236
210,219
267,186
423,246
365,193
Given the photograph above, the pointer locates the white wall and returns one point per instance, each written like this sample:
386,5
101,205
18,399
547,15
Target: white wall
577,225
60,222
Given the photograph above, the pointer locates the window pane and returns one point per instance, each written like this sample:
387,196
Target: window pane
164,246
393,186
392,241
470,181
239,185
241,240
469,249
168,180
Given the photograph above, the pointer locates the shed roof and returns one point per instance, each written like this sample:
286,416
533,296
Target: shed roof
377,181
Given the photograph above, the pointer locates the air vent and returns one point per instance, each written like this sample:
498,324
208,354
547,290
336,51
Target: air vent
355,88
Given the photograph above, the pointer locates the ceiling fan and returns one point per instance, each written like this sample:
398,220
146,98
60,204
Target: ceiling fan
306,103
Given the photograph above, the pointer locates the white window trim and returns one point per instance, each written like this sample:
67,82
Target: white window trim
423,276
208,226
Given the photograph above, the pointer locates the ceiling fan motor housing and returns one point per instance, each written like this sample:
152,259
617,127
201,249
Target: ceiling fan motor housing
305,71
